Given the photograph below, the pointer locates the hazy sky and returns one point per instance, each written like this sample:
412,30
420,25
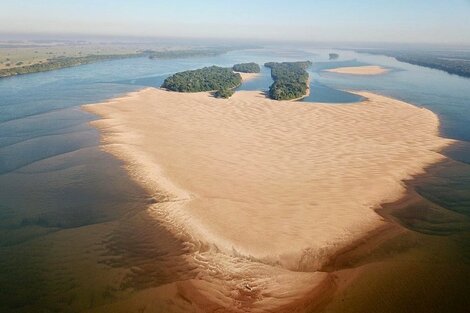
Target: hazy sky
422,21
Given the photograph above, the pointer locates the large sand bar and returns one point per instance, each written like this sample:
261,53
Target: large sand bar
280,181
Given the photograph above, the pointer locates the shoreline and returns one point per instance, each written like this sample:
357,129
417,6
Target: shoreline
142,167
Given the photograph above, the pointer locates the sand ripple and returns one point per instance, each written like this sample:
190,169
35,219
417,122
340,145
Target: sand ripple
270,187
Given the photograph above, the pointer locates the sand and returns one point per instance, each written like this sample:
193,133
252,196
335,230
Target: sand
265,191
359,70
248,76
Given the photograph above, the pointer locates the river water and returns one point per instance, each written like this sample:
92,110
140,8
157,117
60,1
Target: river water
69,212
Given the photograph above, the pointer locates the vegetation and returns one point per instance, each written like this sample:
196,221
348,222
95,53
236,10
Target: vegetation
452,62
190,53
290,80
223,93
247,68
61,62
334,56
205,79
29,61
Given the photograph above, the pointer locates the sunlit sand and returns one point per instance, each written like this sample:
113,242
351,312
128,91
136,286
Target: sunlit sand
359,70
267,186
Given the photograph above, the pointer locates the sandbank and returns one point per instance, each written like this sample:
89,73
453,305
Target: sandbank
278,186
359,70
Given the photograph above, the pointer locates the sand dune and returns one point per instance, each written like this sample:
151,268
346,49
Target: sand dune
267,182
359,70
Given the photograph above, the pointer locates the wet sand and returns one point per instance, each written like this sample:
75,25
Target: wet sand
359,70
264,192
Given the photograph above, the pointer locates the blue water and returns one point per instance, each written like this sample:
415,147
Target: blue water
54,178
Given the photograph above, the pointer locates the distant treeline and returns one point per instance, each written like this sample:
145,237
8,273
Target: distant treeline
450,62
333,56
190,53
247,68
62,62
213,78
290,79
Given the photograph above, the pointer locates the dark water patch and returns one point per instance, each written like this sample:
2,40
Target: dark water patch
40,148
423,263
51,123
448,185
152,81
321,66
324,94
55,216
459,151
261,83
68,190
37,100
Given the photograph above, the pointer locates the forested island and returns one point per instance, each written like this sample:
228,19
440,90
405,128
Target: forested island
251,67
333,56
213,78
290,79
452,62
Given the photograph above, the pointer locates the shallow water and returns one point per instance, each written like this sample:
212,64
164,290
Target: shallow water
74,229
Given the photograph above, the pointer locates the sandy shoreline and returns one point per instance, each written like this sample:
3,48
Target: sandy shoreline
268,182
248,76
359,70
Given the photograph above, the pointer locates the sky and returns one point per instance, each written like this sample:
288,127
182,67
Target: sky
407,21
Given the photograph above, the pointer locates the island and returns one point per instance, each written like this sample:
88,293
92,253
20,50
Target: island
251,67
333,56
290,79
212,78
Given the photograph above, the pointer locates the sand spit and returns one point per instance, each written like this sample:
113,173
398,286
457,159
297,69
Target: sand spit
248,76
359,70
265,191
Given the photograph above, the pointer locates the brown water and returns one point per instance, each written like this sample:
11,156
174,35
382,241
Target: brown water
423,265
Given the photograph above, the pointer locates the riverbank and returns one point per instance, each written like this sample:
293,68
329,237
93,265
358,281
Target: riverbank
251,182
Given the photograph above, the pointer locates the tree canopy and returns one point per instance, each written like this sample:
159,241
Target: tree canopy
223,93
247,68
204,79
290,79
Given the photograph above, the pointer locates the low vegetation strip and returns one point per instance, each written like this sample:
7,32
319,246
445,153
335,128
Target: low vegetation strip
452,62
62,62
290,80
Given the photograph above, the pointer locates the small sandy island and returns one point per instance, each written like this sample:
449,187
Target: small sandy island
275,187
359,70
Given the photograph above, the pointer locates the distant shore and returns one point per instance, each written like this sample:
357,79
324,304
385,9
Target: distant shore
359,70
270,189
